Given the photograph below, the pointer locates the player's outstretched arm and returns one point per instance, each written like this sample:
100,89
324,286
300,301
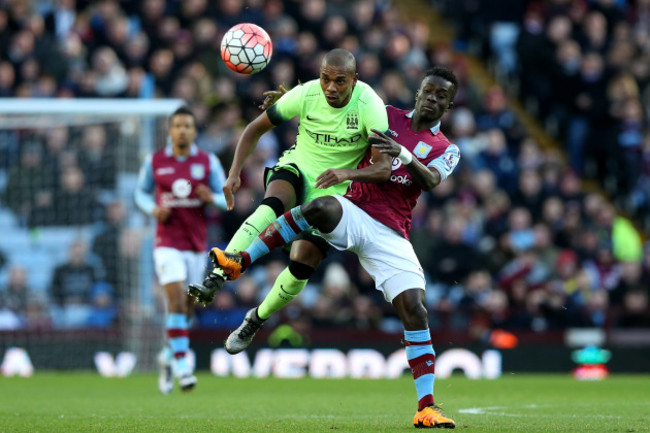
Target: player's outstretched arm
378,171
245,146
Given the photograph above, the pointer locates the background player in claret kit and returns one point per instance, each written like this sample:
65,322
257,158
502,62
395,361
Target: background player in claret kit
337,113
184,180
374,221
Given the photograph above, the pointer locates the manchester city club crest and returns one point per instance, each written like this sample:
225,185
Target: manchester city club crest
197,171
352,121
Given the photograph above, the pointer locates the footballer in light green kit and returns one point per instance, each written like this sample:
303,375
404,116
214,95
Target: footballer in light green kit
328,137
337,113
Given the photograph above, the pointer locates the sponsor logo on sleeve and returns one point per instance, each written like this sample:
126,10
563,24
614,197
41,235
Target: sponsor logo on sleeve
449,160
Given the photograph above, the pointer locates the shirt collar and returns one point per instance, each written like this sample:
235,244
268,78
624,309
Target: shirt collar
434,130
194,150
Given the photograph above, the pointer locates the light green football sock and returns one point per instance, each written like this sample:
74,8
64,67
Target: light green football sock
250,229
285,288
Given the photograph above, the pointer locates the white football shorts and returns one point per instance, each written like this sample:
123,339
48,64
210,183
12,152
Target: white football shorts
383,252
173,265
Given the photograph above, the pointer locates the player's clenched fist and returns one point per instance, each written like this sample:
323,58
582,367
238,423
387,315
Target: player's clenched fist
204,193
161,213
384,143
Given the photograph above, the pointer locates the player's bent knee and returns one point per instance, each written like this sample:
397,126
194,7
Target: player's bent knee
300,271
275,204
411,310
323,213
416,318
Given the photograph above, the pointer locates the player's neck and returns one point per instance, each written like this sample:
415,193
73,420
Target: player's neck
419,124
182,151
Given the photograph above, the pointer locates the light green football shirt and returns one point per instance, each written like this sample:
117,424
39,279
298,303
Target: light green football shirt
328,137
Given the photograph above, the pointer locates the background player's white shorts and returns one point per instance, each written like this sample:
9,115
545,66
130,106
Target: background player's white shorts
173,265
384,253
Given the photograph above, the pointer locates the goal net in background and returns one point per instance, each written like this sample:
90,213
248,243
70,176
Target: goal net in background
76,272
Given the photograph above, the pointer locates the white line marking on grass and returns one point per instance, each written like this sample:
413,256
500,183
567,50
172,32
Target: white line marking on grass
503,411
490,410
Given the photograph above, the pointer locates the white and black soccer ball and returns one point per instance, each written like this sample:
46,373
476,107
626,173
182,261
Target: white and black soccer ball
246,48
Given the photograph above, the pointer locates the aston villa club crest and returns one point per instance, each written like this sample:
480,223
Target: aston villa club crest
352,121
421,150
197,171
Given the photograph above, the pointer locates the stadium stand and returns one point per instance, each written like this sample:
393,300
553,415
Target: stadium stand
513,240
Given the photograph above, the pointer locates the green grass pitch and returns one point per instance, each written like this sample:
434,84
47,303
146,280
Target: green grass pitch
85,402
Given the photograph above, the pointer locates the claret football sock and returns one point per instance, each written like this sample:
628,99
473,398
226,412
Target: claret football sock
422,360
282,231
179,338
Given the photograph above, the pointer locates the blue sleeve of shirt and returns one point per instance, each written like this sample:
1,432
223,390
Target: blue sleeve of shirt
447,162
144,198
217,181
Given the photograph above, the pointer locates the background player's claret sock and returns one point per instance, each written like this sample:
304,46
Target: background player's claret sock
422,360
179,340
251,228
285,288
282,231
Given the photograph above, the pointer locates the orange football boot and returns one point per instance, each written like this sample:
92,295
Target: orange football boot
432,417
232,264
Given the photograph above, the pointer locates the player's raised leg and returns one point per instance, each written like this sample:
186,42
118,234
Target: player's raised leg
305,257
288,284
420,354
280,194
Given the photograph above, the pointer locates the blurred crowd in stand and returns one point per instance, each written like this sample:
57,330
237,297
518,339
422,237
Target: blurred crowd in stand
511,241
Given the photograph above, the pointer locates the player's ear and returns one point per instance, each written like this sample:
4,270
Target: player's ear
450,106
417,93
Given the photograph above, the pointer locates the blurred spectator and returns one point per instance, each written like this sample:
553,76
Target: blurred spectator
453,258
104,311
96,159
106,246
636,310
7,79
29,184
111,77
17,292
72,286
334,304
496,114
496,158
74,203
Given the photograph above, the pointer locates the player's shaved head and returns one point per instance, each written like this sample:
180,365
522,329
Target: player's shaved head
339,57
338,76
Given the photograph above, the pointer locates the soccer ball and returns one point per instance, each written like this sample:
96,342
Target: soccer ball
246,48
